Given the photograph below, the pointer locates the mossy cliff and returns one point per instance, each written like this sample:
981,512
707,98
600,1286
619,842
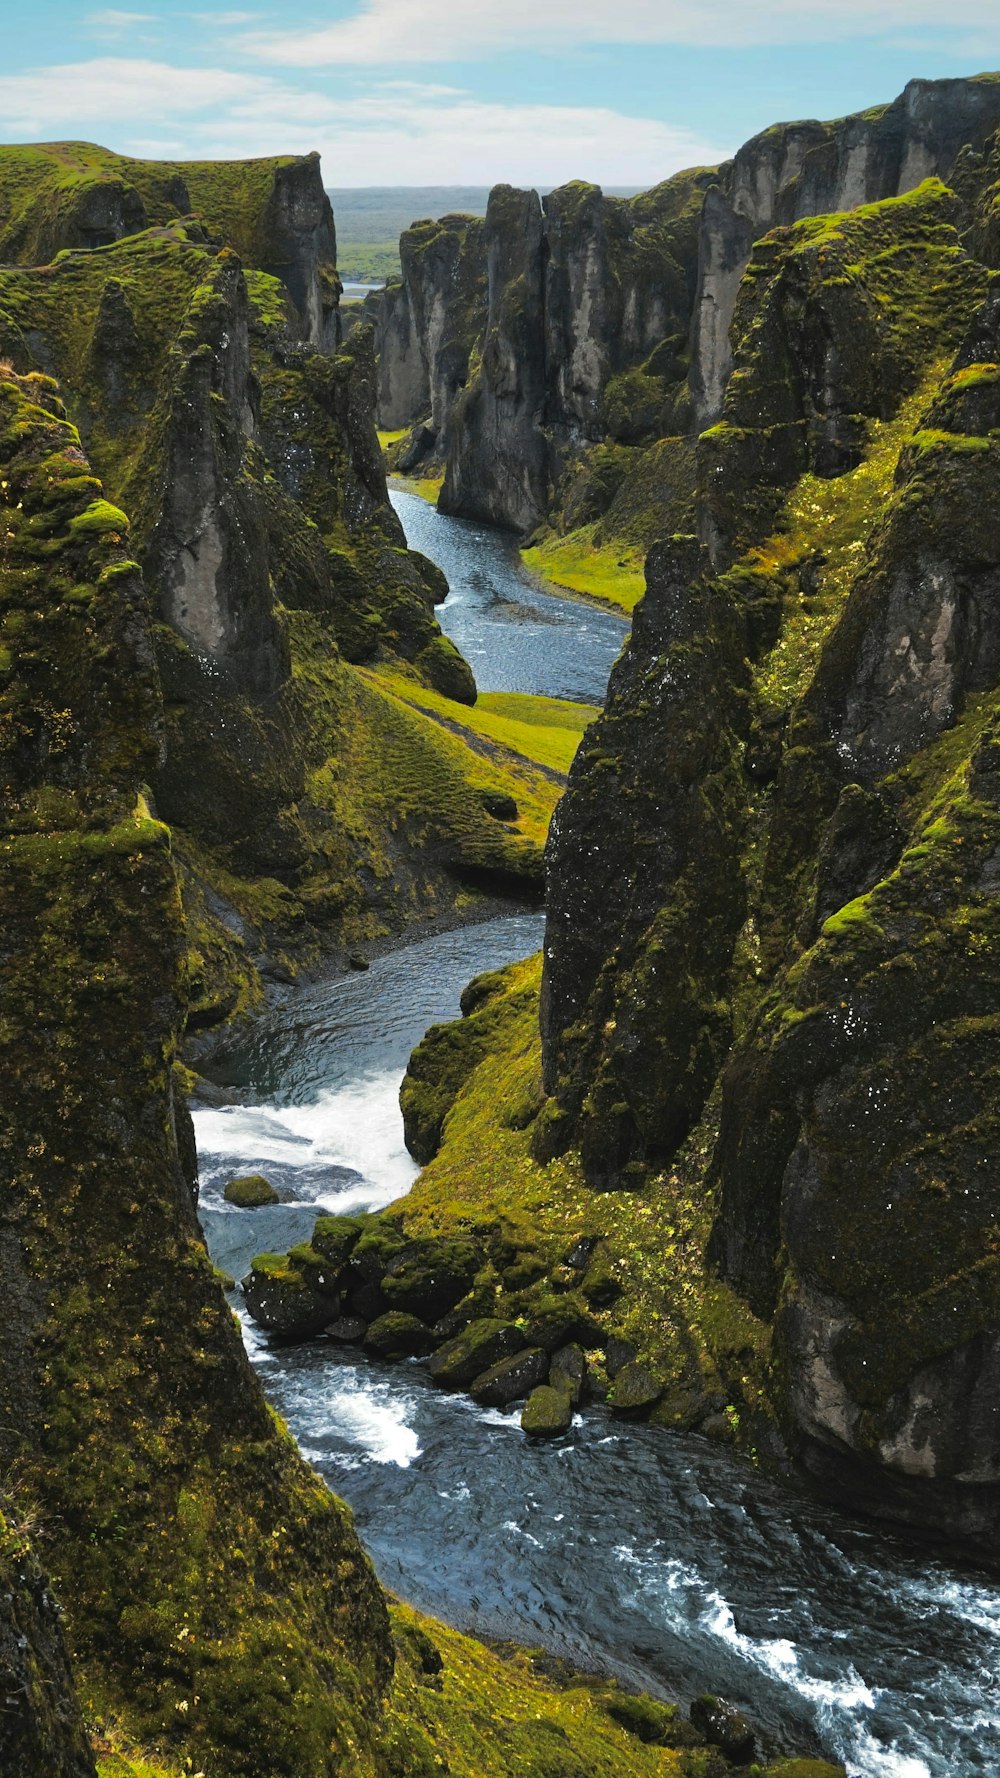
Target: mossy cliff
41,1728
185,1537
513,342
273,212
751,1152
605,347
249,467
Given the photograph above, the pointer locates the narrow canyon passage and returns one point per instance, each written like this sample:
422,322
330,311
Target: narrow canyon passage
661,1559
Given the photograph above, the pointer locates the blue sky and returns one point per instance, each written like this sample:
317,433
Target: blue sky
471,91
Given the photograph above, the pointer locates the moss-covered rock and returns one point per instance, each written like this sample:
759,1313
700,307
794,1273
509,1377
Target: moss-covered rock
511,1379
281,1301
635,1389
250,1191
427,1278
548,1412
185,1532
41,1727
395,1335
483,1343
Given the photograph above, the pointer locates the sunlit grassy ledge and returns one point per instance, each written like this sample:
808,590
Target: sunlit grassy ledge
607,572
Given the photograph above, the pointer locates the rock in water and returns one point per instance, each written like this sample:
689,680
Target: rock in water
547,1412
250,1191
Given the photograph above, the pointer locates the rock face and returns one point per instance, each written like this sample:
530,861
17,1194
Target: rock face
811,169
427,325
101,1258
275,213
773,915
609,322
553,322
41,1729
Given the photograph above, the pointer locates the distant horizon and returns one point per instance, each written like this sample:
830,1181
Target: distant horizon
472,92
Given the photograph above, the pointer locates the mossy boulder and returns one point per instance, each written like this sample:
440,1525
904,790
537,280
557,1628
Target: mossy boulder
396,1335
554,1321
250,1191
482,1344
281,1301
644,1717
635,1390
725,1727
428,1277
568,1370
335,1237
511,1379
548,1412
317,1271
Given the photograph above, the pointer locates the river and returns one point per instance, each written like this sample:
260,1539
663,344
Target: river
661,1559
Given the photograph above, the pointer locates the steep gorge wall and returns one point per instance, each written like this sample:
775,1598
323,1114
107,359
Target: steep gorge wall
608,321
771,879
552,305
183,1532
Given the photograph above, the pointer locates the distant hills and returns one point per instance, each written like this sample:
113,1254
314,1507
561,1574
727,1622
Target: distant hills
371,218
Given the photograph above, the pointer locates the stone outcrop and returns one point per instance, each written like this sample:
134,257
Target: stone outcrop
553,323
142,1471
811,169
610,322
428,324
772,920
41,1728
274,212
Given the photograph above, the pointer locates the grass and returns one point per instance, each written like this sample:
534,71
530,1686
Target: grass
546,731
825,526
427,487
577,563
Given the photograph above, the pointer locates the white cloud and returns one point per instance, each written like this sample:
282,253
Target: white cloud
386,31
468,142
111,23
429,135
116,89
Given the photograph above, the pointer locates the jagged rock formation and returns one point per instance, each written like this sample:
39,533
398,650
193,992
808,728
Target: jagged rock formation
185,1534
41,1729
772,877
249,466
608,322
812,169
427,325
511,342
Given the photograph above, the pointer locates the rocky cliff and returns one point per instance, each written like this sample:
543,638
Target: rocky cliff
182,1530
273,212
606,324
553,323
772,916
287,606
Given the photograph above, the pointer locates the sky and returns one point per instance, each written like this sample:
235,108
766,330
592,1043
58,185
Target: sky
470,92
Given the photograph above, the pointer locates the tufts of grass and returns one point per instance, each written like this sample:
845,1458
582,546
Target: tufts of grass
577,563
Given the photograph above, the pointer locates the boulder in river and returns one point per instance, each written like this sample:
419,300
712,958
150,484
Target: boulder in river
250,1191
335,1237
347,1330
279,1299
547,1412
396,1335
482,1344
511,1379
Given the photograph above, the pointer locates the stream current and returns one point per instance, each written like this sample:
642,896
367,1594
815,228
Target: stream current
661,1559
